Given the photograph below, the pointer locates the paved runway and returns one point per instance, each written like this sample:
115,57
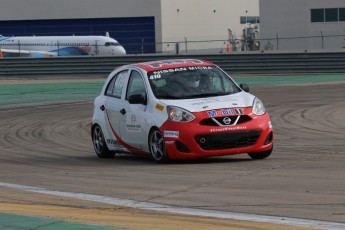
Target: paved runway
49,146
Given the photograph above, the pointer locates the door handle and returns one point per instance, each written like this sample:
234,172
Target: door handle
123,111
102,107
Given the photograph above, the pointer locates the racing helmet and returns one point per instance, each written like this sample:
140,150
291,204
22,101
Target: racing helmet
192,80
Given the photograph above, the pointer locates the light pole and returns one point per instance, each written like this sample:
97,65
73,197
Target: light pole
245,33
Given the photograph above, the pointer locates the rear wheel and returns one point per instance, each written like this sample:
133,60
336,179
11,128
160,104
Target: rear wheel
260,155
99,144
157,146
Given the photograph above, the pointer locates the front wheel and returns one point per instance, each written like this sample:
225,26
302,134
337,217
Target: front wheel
261,155
157,146
99,144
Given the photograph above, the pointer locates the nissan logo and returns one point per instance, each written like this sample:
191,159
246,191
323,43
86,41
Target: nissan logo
227,120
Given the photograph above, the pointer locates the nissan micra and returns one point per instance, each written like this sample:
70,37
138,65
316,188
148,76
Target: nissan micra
178,109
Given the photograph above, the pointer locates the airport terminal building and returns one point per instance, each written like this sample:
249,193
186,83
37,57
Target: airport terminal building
147,26
302,24
184,26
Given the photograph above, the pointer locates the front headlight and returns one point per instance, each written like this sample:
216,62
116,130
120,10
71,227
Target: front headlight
179,114
258,107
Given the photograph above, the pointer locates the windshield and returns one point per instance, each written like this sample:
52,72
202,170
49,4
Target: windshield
191,82
112,44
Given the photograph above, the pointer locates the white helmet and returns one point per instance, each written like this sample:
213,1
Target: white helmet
192,80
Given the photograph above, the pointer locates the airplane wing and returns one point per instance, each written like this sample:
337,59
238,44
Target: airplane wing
25,53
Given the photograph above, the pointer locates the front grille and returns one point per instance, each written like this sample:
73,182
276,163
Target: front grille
231,140
219,121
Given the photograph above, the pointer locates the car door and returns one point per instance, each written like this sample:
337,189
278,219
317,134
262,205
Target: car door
133,129
113,104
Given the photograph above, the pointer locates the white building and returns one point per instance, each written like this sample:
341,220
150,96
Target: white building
302,24
140,25
205,20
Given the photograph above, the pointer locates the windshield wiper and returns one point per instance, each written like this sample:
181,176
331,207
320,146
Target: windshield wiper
207,95
167,97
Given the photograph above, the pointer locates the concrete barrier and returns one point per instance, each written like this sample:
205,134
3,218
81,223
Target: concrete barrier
234,63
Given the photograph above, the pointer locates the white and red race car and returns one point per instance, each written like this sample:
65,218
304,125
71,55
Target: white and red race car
178,109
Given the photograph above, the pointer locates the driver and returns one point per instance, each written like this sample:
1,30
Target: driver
186,83
192,80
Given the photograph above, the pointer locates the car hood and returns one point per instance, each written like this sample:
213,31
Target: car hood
238,100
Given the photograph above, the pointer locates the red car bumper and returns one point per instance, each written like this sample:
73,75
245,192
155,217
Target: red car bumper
205,136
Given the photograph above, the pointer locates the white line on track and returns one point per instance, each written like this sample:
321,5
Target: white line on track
183,210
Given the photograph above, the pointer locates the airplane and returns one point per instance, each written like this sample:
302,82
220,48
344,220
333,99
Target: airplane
48,46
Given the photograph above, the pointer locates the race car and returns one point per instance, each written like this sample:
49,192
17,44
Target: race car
178,109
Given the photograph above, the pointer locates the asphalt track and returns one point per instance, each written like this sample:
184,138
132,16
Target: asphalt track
45,143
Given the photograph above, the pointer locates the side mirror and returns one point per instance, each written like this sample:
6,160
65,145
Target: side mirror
137,99
244,87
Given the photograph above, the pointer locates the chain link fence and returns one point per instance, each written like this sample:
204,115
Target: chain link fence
246,43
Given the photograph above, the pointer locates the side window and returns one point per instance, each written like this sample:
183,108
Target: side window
110,87
228,86
115,86
136,85
223,84
217,83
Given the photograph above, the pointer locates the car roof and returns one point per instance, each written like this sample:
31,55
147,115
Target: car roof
172,63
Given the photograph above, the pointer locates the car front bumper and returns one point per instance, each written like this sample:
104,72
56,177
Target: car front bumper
195,139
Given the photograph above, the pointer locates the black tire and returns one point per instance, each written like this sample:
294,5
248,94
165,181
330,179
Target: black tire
157,146
99,144
260,155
